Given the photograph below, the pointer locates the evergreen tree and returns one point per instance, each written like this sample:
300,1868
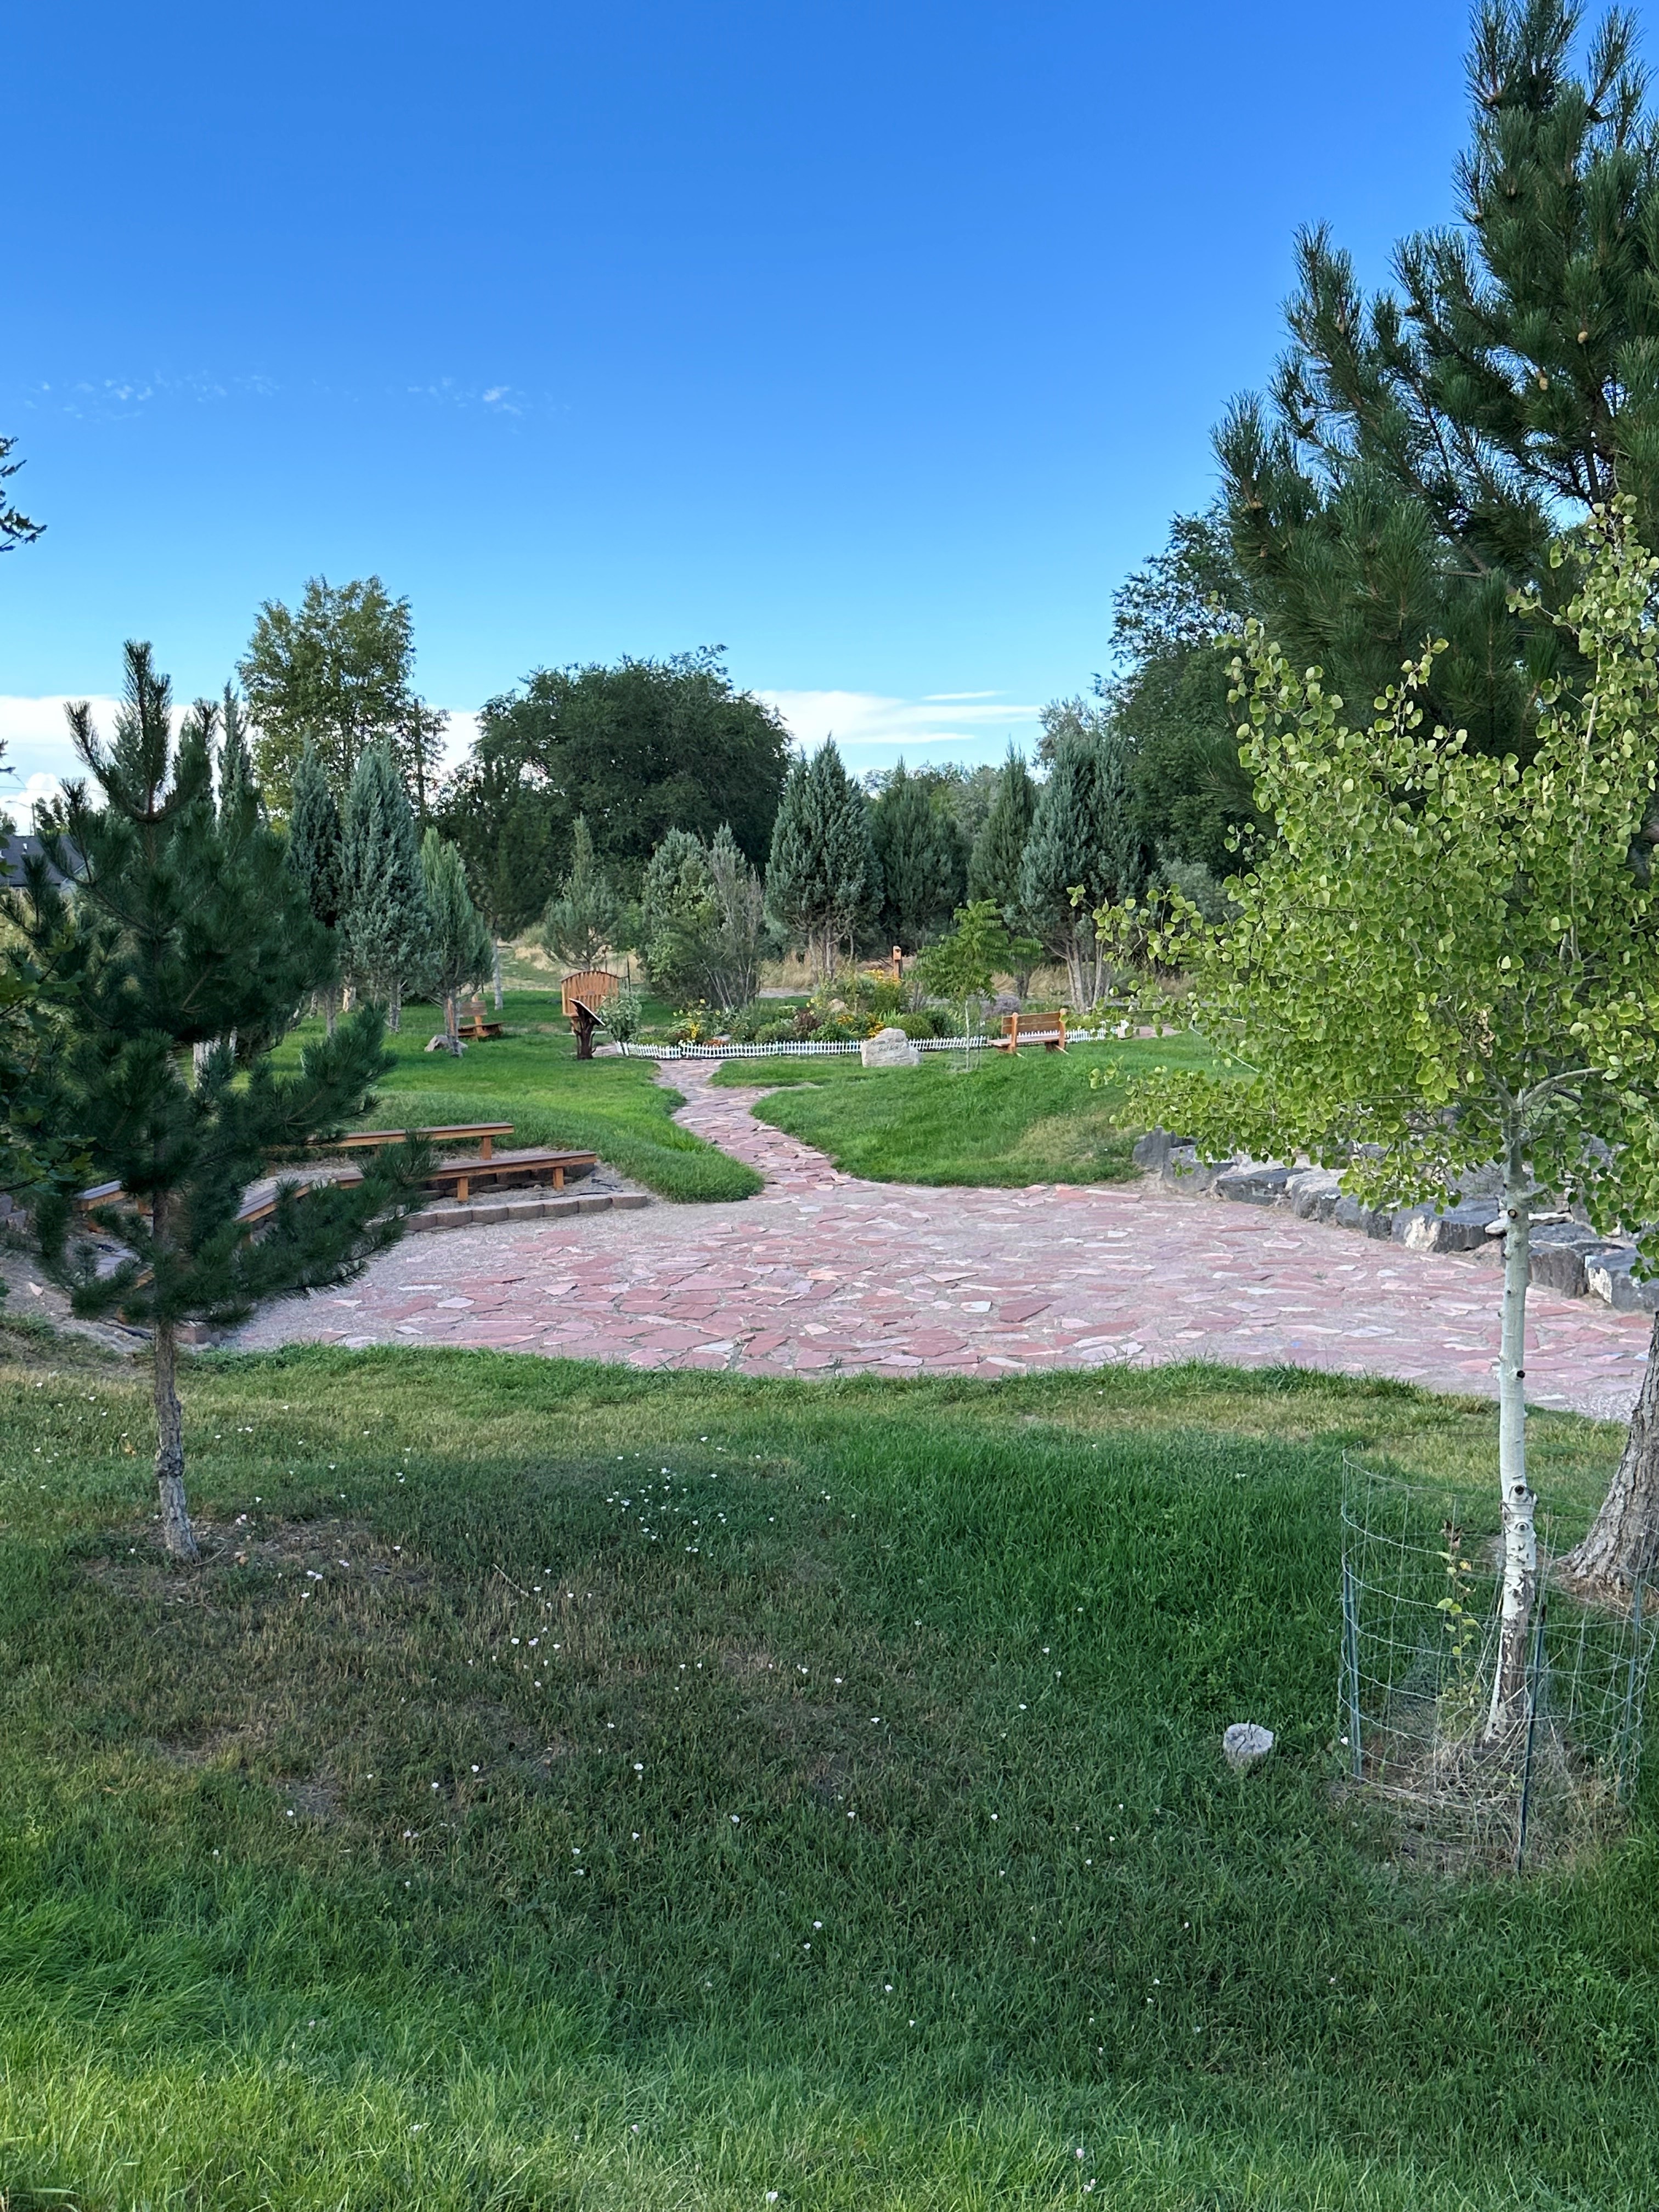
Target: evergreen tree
679,914
239,798
1084,841
315,841
1404,477
920,855
385,918
739,943
823,877
582,923
511,834
993,864
457,943
182,934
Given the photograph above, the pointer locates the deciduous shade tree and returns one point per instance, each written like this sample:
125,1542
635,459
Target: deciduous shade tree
336,674
385,918
1416,450
1442,960
457,945
965,965
920,854
644,747
822,878
1084,849
179,935
581,922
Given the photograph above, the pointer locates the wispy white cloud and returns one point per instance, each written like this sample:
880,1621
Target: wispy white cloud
874,729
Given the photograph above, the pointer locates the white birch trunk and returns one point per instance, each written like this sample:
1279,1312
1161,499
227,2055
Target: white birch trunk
1508,1685
495,960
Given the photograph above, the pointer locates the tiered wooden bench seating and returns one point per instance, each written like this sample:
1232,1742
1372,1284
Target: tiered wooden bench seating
536,1166
448,1132
1046,1030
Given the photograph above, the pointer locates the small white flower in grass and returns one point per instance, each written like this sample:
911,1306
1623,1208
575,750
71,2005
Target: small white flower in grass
474,1770
734,1820
639,1766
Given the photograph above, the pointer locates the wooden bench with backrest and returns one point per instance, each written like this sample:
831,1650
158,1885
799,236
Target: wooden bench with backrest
472,1025
584,995
1046,1030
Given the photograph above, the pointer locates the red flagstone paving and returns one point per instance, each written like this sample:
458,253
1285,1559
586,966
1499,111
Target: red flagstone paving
823,1274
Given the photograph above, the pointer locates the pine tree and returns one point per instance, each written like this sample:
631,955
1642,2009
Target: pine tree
185,934
920,855
993,864
1084,840
1417,451
581,922
823,877
457,943
239,798
384,916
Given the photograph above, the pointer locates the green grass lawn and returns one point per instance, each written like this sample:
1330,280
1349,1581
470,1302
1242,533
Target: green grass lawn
1011,1119
532,1078
562,1787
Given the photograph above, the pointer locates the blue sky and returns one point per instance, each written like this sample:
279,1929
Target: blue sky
877,342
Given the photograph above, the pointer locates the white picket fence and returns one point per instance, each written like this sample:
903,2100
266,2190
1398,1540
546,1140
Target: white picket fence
811,1047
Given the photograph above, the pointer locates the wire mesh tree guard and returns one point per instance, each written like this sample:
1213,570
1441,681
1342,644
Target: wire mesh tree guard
1420,1596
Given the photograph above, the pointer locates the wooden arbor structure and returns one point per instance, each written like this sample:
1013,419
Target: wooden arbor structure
585,993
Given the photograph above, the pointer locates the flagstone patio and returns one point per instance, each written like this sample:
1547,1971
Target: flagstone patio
823,1274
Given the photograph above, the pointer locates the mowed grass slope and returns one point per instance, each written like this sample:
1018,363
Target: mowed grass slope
563,1787
532,1078
1009,1119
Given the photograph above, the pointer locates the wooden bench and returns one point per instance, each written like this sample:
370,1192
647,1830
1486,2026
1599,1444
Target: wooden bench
537,1165
472,1025
1046,1030
451,1133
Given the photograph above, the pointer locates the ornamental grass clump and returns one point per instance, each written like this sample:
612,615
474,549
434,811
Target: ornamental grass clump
1441,960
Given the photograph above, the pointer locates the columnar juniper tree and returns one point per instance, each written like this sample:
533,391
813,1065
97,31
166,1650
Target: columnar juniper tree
822,876
1084,850
177,933
1441,959
316,858
457,943
385,918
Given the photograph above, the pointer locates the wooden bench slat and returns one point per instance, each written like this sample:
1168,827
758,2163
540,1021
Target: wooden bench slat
464,1173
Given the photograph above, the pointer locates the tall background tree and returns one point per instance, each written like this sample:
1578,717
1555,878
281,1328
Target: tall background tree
920,852
385,918
823,879
457,946
583,919
336,674
644,747
512,835
1404,474
1085,848
187,930
316,860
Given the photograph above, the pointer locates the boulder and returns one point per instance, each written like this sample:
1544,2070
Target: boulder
1350,1213
1244,1743
1460,1228
1312,1193
1611,1275
889,1048
1253,1182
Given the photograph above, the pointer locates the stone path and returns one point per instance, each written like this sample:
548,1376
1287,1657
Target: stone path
822,1273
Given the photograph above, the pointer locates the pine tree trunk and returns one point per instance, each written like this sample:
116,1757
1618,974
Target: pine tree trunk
497,955
176,1531
394,1012
1623,1547
331,1008
452,1022
1508,1686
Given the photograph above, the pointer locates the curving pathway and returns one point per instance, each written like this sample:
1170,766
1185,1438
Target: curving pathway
822,1273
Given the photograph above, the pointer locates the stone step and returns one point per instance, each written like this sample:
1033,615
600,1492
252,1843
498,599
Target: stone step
487,1213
